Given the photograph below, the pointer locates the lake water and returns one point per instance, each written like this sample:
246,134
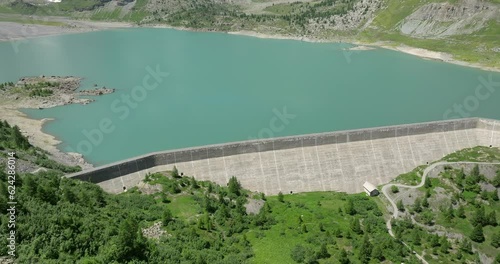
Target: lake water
223,88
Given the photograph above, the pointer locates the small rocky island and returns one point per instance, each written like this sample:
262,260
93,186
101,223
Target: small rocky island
48,91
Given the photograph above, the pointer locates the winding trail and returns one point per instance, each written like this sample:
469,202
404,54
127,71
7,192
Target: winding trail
431,167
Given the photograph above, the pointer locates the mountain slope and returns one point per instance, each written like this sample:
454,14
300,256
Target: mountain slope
468,29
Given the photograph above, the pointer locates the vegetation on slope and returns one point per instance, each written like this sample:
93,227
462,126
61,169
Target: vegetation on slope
476,154
481,46
176,219
61,220
355,20
11,139
453,217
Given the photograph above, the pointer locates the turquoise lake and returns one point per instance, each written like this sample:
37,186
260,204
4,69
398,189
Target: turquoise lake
222,88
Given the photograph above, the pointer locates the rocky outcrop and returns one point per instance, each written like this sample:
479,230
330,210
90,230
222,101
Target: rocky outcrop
360,15
96,91
63,91
154,232
253,206
439,20
148,189
361,12
39,93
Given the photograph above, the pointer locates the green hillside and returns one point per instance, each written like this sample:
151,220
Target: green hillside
176,219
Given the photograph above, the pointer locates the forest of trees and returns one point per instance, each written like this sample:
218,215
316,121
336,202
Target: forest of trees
67,221
467,209
11,138
61,220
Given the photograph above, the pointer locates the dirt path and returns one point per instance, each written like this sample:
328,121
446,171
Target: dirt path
395,213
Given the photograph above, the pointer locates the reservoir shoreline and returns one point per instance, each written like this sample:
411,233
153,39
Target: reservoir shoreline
13,31
64,92
35,130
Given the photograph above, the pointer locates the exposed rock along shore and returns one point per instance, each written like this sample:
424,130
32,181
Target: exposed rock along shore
63,89
39,93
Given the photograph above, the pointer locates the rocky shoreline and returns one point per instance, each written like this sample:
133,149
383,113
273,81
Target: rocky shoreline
8,33
60,91
39,93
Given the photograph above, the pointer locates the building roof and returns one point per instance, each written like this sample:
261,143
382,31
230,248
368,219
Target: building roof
369,187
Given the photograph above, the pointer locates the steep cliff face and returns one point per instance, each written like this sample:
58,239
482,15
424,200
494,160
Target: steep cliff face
437,20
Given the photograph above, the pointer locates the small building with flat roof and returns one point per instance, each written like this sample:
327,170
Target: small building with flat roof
370,189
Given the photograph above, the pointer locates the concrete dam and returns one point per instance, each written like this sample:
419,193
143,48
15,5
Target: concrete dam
333,161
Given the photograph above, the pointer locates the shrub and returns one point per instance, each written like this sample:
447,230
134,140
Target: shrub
477,234
281,197
41,92
175,172
495,240
400,206
298,253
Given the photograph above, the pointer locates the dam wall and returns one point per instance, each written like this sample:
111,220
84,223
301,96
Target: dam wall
333,161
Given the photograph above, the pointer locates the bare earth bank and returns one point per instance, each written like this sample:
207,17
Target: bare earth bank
14,31
64,92
10,31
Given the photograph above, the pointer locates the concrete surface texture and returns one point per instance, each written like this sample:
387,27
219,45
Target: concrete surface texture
334,161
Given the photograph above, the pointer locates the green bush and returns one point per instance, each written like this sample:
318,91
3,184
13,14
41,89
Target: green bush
50,164
41,92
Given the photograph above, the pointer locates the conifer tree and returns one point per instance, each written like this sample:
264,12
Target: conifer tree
494,195
377,253
477,234
344,259
427,183
234,186
497,259
492,218
323,252
466,246
175,172
425,203
365,250
416,237
496,180
281,197
445,245
461,212
475,171
479,217
495,239
19,140
356,227
349,207
417,205
167,217
400,206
